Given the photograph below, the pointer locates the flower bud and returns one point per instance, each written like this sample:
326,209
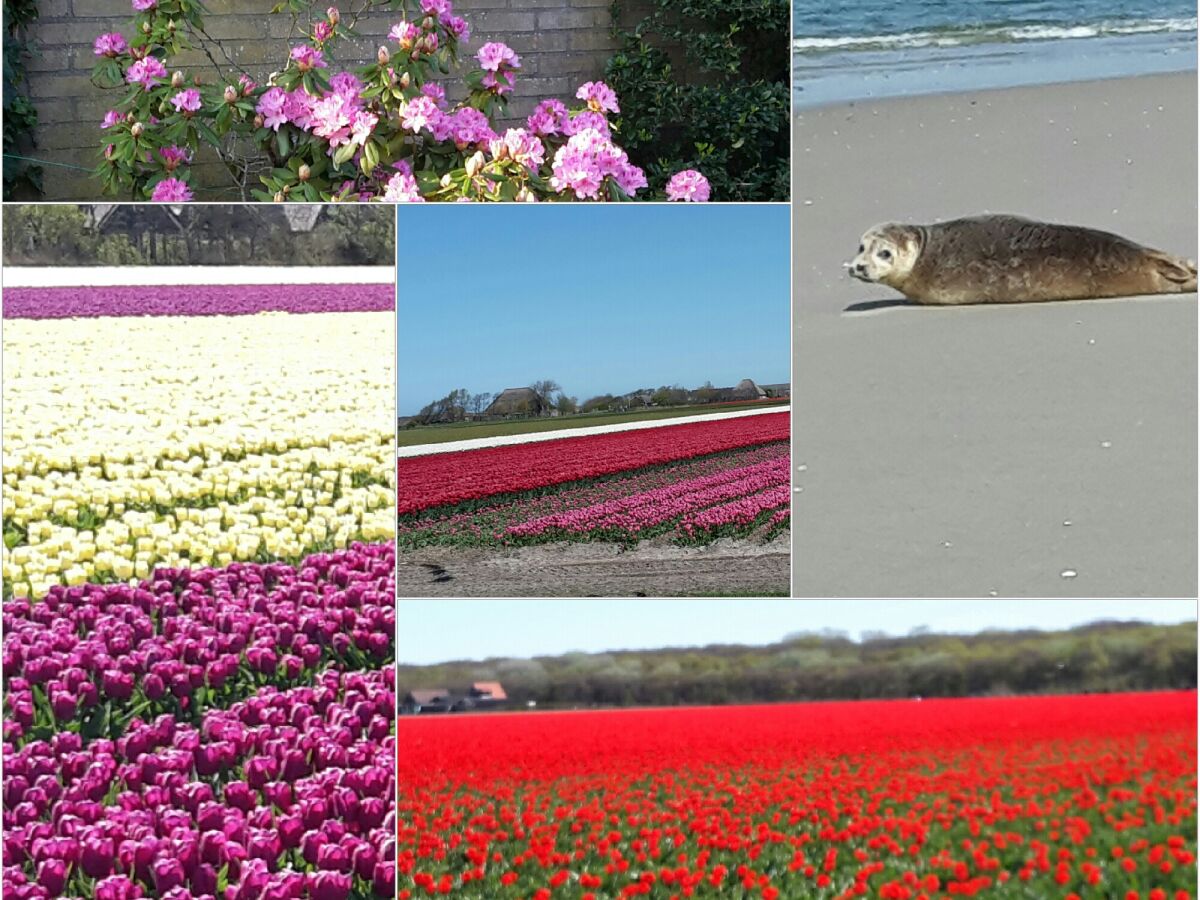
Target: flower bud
231,94
333,15
383,56
137,130
108,151
259,121
447,180
428,23
145,28
196,81
279,196
177,80
171,26
305,172
474,163
405,80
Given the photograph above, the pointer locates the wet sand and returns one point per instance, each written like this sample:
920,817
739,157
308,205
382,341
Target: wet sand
943,452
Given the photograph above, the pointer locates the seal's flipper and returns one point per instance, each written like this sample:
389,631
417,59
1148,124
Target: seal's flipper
1179,272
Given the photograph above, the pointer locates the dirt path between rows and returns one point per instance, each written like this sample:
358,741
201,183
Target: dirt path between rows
726,567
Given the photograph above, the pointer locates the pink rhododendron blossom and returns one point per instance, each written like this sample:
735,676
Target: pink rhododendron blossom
418,113
437,8
299,107
322,31
435,92
348,85
402,187
111,118
458,27
271,107
143,5
307,58
173,157
493,55
548,118
588,120
110,45
246,84
582,164
466,127
187,101
688,185
599,96
520,145
362,126
171,190
146,72
405,34
331,119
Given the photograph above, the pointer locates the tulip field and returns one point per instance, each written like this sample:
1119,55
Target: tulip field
199,593
692,482
192,426
1067,797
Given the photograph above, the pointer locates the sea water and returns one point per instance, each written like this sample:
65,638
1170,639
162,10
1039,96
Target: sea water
858,49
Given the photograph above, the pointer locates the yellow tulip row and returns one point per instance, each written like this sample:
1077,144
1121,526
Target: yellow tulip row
135,443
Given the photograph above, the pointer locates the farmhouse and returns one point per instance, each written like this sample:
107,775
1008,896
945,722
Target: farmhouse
431,700
479,695
777,390
517,402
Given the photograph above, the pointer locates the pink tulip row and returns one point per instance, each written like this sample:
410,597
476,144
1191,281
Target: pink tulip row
737,513
639,512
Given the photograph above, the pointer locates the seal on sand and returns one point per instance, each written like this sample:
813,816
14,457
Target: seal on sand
1008,259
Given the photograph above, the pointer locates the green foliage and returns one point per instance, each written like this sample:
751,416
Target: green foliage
705,84
20,115
1107,656
52,234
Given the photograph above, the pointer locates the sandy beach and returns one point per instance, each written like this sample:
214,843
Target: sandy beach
984,451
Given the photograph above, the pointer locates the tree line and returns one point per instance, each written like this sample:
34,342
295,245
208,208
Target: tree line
1101,657
208,234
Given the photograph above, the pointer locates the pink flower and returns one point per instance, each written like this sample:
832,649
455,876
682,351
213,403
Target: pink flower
171,190
348,85
299,108
111,118
418,113
458,27
520,145
187,101
493,55
584,161
599,96
402,187
246,84
466,127
405,34
110,45
688,185
435,92
439,8
143,5
173,157
308,58
322,31
362,126
271,108
548,118
331,119
146,72
586,120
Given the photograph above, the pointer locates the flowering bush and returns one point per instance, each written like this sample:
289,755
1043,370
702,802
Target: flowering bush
384,131
285,794
177,441
93,657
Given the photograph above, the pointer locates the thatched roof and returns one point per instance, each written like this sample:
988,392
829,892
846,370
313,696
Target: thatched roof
516,401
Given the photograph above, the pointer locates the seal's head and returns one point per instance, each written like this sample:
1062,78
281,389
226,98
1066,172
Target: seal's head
886,255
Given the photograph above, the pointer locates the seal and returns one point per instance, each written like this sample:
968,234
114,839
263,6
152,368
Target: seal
1008,259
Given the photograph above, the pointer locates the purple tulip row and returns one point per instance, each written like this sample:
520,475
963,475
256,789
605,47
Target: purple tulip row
93,656
286,794
195,300
638,513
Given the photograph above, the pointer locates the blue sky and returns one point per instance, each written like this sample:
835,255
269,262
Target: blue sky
601,298
432,630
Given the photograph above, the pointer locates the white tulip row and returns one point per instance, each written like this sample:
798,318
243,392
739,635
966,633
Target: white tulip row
135,443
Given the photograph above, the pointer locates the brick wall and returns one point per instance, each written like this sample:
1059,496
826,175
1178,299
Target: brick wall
562,43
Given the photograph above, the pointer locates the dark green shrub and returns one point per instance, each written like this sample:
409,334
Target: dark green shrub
704,84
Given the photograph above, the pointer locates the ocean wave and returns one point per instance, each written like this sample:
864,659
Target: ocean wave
989,34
